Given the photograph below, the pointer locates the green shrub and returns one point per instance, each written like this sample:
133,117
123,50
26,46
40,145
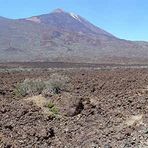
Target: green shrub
21,90
50,105
30,87
55,84
53,109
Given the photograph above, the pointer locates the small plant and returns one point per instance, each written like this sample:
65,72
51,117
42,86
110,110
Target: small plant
55,88
37,86
30,87
57,83
21,90
53,109
50,105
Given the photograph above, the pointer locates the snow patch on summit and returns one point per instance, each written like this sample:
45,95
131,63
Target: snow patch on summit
75,16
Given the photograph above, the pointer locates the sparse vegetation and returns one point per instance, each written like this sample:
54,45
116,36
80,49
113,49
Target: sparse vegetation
30,87
50,105
47,106
120,108
55,85
52,108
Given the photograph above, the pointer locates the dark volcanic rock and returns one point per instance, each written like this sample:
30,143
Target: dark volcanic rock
99,118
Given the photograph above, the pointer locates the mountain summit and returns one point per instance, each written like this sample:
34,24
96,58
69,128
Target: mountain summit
62,20
66,37
58,10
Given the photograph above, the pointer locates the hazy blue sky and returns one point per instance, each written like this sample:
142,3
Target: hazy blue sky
126,19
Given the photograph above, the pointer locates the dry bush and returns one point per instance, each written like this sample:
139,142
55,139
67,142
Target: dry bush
47,106
30,87
55,84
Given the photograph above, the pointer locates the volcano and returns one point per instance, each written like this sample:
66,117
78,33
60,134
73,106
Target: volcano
64,37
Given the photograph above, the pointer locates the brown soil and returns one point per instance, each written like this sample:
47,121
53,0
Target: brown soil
100,109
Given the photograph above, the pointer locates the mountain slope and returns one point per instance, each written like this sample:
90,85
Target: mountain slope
71,22
62,36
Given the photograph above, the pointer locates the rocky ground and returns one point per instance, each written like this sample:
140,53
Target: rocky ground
99,109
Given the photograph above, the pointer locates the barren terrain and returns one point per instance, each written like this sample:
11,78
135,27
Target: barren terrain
106,108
